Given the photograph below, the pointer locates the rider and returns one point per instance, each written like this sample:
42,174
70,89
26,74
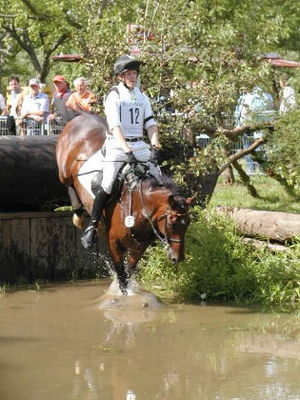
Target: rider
128,112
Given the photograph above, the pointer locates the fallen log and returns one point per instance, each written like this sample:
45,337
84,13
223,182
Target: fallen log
29,174
273,225
260,244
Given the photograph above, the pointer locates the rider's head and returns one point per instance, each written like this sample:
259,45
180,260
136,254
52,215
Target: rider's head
127,69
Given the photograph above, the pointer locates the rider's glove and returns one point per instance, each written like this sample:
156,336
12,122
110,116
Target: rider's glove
154,156
130,158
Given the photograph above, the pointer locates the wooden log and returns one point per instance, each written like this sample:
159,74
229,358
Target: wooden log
273,225
28,173
260,244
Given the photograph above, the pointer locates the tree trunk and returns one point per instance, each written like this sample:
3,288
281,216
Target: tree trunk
273,225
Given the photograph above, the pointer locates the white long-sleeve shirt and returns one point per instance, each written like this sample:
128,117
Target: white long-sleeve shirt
128,109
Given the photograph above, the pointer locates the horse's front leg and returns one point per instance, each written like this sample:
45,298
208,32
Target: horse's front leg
132,258
117,255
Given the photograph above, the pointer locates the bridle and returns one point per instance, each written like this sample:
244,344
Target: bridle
166,239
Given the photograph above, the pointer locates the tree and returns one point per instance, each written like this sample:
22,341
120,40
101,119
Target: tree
218,44
38,29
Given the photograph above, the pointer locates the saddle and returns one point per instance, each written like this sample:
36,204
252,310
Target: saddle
128,174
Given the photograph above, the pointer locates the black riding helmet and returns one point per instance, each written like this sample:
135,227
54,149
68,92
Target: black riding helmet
125,63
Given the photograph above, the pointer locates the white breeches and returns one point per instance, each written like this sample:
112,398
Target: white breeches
115,158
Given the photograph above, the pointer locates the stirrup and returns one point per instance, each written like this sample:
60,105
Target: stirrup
88,236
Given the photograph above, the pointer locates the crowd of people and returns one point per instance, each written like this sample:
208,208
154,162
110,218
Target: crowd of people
28,109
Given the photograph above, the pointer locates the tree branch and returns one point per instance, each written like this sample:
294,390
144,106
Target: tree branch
47,55
239,154
35,12
233,133
71,21
8,15
26,44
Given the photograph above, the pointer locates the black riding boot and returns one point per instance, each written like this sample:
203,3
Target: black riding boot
88,235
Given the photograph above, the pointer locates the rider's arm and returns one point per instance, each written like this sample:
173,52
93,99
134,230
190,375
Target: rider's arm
152,132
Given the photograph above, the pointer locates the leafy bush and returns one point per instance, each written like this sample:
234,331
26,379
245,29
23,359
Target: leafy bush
220,267
284,149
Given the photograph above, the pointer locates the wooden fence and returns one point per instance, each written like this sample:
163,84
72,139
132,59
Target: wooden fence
44,246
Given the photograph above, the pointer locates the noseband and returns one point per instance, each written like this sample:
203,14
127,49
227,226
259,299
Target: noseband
166,240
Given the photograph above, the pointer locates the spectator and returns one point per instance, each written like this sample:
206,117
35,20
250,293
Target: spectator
35,108
59,111
255,107
2,103
288,98
81,100
14,89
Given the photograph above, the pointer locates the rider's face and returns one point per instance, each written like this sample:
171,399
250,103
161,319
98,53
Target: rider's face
129,78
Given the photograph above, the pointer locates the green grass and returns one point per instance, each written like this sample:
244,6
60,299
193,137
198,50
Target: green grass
273,197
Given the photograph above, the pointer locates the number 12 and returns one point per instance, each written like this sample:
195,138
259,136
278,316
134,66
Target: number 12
134,115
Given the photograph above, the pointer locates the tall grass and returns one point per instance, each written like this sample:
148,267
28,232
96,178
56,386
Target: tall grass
220,267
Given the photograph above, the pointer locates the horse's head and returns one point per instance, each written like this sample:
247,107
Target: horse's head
172,225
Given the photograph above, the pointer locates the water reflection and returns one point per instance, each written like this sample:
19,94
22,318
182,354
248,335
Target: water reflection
61,346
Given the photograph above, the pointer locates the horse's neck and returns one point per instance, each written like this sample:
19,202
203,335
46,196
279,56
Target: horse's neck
155,197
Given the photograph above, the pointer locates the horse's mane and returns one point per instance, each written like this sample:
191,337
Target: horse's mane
168,182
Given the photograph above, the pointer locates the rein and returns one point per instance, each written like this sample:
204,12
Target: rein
164,239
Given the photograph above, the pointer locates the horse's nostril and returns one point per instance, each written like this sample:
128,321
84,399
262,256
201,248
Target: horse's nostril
174,260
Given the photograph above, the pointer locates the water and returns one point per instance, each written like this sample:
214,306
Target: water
56,344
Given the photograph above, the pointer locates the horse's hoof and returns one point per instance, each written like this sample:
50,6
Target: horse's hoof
85,244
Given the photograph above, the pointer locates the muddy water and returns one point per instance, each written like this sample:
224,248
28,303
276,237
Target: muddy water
56,344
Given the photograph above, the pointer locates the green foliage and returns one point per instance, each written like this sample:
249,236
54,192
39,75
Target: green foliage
37,29
216,44
220,267
284,149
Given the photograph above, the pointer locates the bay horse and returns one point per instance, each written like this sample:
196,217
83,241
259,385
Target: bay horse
158,209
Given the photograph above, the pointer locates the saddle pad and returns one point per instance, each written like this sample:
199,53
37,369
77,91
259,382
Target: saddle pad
89,169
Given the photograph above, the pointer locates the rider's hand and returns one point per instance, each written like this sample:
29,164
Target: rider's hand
130,158
154,156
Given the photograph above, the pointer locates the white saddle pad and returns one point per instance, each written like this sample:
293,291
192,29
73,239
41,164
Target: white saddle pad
89,169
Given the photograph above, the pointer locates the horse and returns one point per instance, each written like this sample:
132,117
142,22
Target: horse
159,211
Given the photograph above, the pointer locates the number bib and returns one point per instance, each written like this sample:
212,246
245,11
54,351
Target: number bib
132,117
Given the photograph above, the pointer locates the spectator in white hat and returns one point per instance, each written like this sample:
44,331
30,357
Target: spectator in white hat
35,108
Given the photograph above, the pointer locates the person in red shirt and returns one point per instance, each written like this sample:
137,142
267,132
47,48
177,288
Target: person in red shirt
59,111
